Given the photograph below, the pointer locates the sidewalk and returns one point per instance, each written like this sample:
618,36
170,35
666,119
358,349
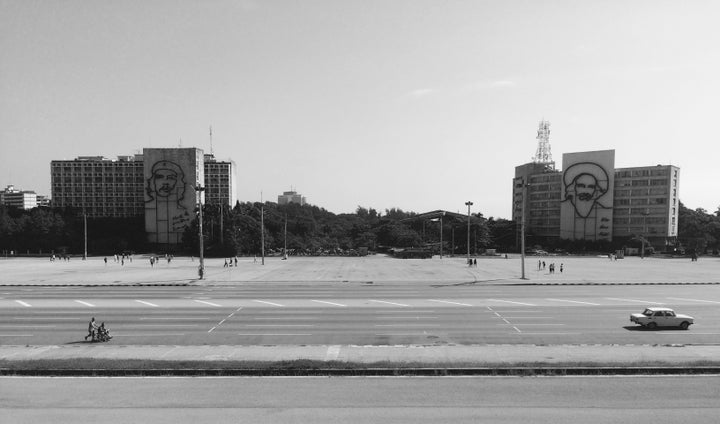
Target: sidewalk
433,356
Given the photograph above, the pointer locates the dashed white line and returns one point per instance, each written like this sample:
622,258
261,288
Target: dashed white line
85,303
27,305
449,302
510,301
328,303
274,334
267,303
574,301
147,303
634,301
694,300
389,303
207,303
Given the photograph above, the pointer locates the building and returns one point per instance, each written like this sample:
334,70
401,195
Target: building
291,197
220,183
98,186
158,184
592,200
21,199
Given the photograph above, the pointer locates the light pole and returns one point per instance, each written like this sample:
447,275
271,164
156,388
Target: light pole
85,235
201,269
468,204
522,232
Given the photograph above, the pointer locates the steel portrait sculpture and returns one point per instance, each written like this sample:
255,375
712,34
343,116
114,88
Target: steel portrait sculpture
165,189
586,185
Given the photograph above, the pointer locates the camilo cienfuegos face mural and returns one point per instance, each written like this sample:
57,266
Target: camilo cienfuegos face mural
587,196
169,193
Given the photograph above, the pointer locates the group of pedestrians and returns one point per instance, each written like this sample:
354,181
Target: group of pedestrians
542,265
97,333
229,262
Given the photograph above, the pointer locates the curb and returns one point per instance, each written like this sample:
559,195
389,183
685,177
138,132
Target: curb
366,372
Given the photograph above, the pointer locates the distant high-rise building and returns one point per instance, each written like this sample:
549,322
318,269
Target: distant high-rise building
158,184
291,197
21,199
590,199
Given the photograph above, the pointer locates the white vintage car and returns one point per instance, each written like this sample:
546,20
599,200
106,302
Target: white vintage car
661,317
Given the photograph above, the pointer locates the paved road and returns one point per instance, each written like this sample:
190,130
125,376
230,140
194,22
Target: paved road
354,400
301,314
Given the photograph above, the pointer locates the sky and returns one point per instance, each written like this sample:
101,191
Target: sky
411,104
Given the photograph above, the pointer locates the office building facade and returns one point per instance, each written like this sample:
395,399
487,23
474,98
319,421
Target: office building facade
21,199
592,200
158,184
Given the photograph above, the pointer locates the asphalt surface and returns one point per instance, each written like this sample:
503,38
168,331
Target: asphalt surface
359,310
675,399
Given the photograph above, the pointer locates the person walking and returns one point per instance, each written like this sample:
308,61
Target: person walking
91,329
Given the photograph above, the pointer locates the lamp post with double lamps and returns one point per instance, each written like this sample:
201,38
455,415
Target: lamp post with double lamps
468,204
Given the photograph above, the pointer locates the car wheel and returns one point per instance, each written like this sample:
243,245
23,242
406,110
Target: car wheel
652,326
684,325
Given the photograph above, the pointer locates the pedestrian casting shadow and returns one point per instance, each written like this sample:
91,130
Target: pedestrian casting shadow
82,342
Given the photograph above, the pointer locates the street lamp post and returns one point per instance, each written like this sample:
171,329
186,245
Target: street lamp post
468,204
522,233
201,269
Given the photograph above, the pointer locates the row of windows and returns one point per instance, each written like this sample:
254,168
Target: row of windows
653,172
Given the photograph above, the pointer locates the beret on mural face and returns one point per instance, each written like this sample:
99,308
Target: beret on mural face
590,168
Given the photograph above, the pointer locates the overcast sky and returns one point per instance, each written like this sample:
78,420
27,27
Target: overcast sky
418,105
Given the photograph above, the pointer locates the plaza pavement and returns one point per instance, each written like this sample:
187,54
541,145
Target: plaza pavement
378,270
375,269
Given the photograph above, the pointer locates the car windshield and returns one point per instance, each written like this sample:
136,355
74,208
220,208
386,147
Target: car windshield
647,312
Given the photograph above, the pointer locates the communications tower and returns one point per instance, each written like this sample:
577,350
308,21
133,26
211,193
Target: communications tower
543,154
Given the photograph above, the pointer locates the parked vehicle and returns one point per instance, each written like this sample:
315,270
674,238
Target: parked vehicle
655,317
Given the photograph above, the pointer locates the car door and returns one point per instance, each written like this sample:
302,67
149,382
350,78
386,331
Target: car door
671,319
658,317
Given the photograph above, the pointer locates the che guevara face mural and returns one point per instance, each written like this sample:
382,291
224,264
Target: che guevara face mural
586,207
169,193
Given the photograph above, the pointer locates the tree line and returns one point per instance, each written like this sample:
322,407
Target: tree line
304,230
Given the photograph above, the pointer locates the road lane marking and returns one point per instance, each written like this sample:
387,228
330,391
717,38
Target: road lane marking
448,302
279,325
224,319
517,329
147,303
407,325
389,303
85,303
274,334
207,303
146,335
407,317
510,301
27,305
694,300
574,301
634,301
328,303
267,303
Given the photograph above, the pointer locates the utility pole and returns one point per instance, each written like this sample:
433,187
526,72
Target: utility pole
262,233
441,235
285,255
522,233
201,270
85,235
468,204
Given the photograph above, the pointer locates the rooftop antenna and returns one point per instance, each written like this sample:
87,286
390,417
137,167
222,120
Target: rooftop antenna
543,154
211,147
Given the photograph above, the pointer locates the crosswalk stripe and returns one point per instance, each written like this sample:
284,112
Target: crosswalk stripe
329,303
451,303
27,305
267,303
634,300
146,303
510,301
207,303
85,303
693,300
574,301
389,303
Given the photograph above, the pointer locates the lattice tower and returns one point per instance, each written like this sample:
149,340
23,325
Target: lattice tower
543,154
